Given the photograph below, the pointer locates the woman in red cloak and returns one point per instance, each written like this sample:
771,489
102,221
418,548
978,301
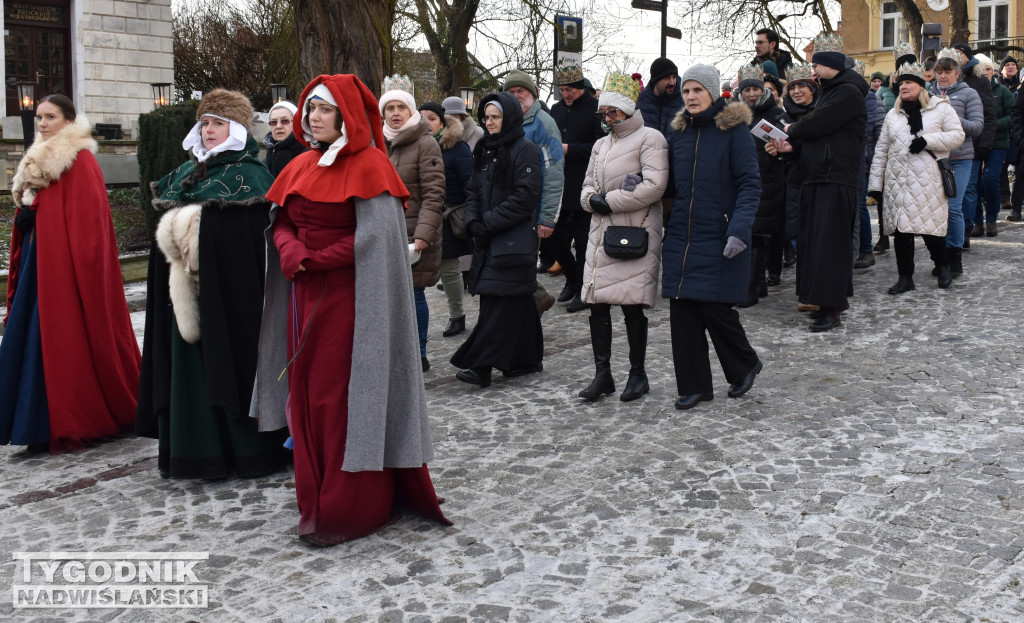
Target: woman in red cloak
69,357
355,398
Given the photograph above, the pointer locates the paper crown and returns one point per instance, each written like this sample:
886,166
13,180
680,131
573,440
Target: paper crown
751,72
397,83
949,53
903,49
858,67
800,71
910,69
624,84
568,74
828,43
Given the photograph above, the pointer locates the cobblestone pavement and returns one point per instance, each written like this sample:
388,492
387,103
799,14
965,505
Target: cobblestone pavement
874,473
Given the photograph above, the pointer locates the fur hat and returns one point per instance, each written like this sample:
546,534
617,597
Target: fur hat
516,78
911,71
662,68
707,76
904,53
621,91
750,76
828,51
568,75
229,105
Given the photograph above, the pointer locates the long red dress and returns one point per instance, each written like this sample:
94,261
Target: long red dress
335,505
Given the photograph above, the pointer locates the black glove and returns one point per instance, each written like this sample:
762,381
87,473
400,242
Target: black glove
476,229
599,205
876,194
917,145
981,153
25,219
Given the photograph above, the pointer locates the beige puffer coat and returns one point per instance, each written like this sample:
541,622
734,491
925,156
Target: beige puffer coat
913,199
628,148
417,158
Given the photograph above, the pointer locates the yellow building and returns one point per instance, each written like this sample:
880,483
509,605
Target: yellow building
872,28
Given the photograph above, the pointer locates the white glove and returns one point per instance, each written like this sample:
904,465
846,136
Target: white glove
733,247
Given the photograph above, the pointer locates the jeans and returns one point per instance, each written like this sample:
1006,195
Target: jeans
991,194
422,318
970,201
454,288
865,218
955,232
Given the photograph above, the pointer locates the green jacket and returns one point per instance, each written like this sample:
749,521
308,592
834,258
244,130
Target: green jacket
1004,104
888,97
228,176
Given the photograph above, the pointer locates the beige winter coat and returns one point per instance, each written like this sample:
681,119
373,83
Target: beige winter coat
629,148
913,199
417,158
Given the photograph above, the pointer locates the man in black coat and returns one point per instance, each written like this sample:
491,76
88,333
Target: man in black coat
766,48
983,142
1017,137
580,127
831,139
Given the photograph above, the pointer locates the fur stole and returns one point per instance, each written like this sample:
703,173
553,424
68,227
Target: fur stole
452,132
177,235
732,115
47,160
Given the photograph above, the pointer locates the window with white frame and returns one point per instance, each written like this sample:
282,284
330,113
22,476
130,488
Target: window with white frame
894,27
993,20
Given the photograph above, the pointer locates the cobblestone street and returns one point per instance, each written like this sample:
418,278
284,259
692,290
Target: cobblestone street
873,473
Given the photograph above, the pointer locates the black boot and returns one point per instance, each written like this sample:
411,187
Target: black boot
636,335
956,263
904,284
882,245
945,279
570,291
601,338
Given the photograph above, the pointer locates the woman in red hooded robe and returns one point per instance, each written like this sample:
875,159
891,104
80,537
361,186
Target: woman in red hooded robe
339,298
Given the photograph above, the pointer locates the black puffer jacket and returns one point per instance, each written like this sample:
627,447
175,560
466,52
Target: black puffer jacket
280,153
580,128
501,204
977,81
771,211
831,137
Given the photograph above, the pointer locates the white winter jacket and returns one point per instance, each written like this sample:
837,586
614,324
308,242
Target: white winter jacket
913,199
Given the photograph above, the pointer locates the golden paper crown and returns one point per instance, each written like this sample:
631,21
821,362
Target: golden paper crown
828,43
397,83
751,72
800,71
911,69
903,49
622,84
949,53
568,74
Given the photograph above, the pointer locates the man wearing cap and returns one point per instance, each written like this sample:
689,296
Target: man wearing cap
1009,74
471,132
982,143
831,140
541,130
661,100
580,127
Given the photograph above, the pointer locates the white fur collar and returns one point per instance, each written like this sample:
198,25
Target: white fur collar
48,159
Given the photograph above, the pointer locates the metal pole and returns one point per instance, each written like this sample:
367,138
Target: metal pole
664,28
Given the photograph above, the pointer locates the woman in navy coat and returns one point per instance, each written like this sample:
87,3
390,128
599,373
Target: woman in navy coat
706,259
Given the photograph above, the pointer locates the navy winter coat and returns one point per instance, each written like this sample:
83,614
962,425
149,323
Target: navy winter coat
660,110
580,128
458,169
717,190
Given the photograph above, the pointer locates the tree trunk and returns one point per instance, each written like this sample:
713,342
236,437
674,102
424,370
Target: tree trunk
959,29
345,37
446,27
912,15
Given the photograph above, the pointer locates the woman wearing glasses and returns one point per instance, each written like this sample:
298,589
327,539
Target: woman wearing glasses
280,141
501,205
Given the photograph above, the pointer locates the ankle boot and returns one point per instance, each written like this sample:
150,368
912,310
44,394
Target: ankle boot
636,335
956,264
945,279
601,338
904,284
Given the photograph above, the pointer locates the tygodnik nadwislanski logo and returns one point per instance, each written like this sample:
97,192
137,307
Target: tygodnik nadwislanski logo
109,580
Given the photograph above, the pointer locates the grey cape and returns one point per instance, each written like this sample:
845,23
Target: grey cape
387,405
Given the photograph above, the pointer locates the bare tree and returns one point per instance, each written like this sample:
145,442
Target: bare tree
345,36
912,16
959,28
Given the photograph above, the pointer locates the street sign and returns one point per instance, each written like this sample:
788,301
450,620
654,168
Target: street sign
675,33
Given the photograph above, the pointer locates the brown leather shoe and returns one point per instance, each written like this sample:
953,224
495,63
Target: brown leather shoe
804,307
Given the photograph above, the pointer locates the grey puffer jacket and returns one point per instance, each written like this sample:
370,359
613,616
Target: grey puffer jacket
967,104
629,148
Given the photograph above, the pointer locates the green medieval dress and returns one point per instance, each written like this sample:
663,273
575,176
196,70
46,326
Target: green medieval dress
194,395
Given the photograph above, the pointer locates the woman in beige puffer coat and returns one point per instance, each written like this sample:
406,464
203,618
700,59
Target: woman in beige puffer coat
914,200
417,158
626,178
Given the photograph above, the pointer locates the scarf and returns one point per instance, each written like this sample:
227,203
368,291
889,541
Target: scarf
237,138
913,110
391,134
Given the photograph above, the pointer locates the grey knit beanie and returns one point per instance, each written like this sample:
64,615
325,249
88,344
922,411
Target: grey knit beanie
708,76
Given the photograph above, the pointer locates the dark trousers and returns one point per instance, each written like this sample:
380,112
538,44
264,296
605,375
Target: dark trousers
1017,197
689,320
903,244
572,229
603,310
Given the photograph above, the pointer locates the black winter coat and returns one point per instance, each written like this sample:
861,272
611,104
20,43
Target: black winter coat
280,153
458,171
831,137
1017,120
982,143
771,211
502,198
580,128
659,110
782,59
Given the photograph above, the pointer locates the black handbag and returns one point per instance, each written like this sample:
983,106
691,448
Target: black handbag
946,172
514,247
622,242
